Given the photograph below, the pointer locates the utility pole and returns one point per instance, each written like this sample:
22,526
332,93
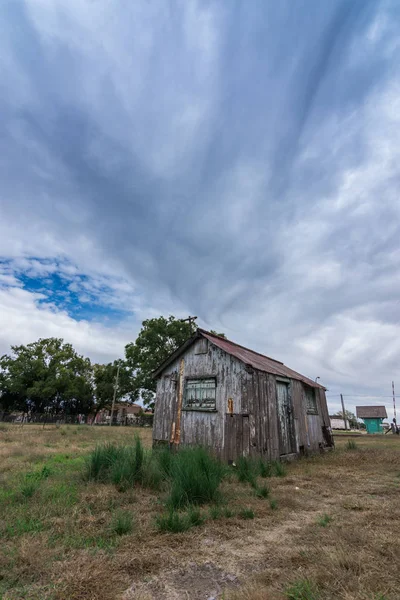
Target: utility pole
344,412
114,395
190,320
394,402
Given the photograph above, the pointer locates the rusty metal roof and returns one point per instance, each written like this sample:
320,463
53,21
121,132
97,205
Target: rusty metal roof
371,412
257,360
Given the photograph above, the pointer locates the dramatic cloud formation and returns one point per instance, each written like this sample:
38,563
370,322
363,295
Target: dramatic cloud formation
239,161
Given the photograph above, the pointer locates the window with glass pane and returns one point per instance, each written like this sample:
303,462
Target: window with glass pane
200,393
311,401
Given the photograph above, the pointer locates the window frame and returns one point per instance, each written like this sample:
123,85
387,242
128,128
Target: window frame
314,409
199,378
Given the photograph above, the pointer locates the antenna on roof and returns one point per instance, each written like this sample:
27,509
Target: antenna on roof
190,320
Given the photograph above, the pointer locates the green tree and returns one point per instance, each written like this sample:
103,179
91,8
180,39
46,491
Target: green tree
46,376
157,339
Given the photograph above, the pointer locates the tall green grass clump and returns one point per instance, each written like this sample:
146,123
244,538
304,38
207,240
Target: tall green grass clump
247,471
195,478
122,522
173,522
279,469
121,465
264,468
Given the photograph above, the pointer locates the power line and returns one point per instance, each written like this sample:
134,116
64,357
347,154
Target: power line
357,396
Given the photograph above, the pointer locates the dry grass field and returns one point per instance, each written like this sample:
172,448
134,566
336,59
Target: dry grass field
328,530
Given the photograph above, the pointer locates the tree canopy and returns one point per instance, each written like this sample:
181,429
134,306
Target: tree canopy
49,376
157,339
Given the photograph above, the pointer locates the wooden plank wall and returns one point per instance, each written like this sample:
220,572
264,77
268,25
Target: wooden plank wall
199,427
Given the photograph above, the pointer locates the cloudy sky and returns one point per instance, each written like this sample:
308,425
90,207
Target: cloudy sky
239,161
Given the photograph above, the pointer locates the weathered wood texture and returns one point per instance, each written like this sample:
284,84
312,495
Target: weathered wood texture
254,427
199,426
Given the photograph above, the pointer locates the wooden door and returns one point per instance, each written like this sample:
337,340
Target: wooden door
287,439
237,436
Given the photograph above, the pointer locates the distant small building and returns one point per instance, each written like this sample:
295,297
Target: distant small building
124,413
338,423
372,417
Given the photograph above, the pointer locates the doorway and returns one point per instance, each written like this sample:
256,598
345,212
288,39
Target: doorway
287,437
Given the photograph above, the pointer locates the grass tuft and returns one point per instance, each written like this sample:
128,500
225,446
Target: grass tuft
324,520
273,504
302,590
195,517
172,522
279,469
196,477
264,468
262,492
246,513
215,512
351,445
122,522
247,471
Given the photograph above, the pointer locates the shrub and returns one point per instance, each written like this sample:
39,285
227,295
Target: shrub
172,522
273,504
302,590
351,445
246,513
196,477
122,523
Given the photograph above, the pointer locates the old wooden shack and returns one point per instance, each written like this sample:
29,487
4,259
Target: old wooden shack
216,393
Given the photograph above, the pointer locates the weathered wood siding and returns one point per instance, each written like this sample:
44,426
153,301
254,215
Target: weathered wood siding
199,426
252,428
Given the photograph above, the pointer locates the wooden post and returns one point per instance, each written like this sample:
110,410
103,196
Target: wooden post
344,412
394,402
114,395
177,437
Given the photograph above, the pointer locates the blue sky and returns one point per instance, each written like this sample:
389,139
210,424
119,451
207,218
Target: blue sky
234,160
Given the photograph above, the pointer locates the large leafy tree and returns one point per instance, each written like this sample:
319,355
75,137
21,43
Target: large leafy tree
157,339
46,376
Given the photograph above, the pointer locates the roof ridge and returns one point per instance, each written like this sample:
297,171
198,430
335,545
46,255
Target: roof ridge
220,337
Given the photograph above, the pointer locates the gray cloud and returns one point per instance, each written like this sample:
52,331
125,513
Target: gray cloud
237,162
